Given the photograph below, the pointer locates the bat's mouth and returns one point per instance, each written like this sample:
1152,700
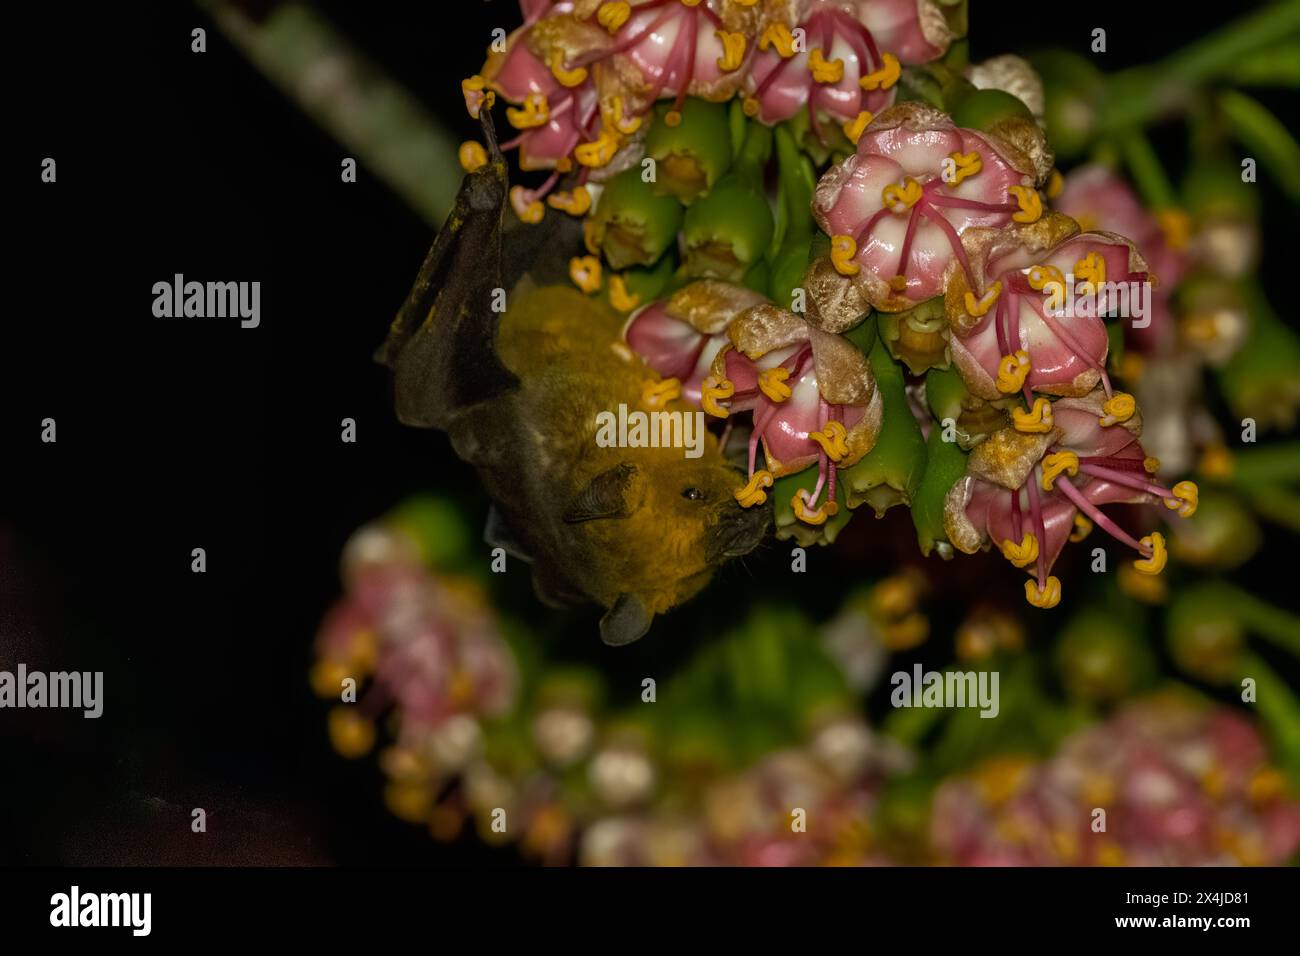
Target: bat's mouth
739,531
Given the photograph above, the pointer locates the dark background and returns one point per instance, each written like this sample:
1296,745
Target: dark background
176,434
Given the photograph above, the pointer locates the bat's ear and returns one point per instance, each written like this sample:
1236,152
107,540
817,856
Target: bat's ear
614,493
627,621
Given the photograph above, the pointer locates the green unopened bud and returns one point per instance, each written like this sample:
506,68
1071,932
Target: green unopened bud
693,155
890,473
971,418
792,239
788,527
1102,658
1262,380
728,231
984,109
631,225
436,527
1223,536
1206,640
1072,88
918,337
945,462
640,285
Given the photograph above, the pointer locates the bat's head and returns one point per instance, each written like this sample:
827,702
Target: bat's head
659,525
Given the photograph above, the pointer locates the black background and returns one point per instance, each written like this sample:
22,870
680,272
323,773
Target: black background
176,434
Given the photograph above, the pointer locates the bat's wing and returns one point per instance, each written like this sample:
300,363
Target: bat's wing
442,345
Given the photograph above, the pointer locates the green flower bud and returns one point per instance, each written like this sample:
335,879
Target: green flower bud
1101,657
1224,535
1072,88
693,155
1262,380
788,527
918,337
728,231
982,109
632,225
645,283
945,462
1206,640
438,529
972,418
891,472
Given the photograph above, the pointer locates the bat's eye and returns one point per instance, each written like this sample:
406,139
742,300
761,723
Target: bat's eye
692,494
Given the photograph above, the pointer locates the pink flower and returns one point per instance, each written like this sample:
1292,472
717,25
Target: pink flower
844,66
679,337
1098,198
1030,492
897,208
1034,323
1181,786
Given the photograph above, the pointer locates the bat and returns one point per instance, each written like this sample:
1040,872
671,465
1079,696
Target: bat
636,530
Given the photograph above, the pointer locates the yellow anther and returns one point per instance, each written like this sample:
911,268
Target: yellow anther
979,307
528,209
1091,268
1057,462
535,112
611,114
1022,554
1156,563
351,734
824,70
1176,226
576,203
1150,464
1186,497
1118,408
885,77
691,3
901,197
753,493
478,94
843,249
327,677
712,390
1048,597
1031,205
855,127
658,393
591,236
1216,462
612,16
1082,528
772,383
1055,183
585,273
599,151
965,165
733,51
1038,420
619,297
1012,371
778,35
898,283
833,439
472,156
1043,277
564,165
750,106
799,503
566,78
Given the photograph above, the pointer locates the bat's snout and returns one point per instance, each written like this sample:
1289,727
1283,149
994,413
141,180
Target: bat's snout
739,531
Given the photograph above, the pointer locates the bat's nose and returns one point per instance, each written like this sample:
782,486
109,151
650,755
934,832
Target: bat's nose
740,530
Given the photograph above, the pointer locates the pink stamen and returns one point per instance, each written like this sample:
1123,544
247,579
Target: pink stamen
1093,512
905,252
1040,529
953,239
1127,480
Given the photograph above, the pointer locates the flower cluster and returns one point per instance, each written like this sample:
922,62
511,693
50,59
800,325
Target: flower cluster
1163,783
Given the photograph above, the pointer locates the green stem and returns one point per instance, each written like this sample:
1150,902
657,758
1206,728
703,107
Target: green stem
1274,463
1148,173
1261,618
1279,505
